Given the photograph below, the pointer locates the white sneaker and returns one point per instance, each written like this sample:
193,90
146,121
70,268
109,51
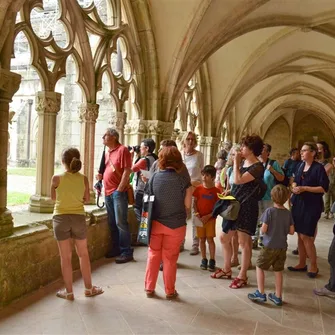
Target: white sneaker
194,251
323,291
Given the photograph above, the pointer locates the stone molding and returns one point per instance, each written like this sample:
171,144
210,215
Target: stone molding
88,112
9,84
117,120
48,102
151,127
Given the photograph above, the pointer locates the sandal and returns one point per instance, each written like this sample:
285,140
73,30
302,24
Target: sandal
150,294
94,290
221,274
238,283
65,295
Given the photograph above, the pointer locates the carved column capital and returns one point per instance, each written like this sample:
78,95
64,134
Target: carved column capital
161,128
135,127
48,102
9,84
88,112
117,120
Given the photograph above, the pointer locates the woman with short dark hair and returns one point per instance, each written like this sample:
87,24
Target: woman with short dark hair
310,183
169,220
247,174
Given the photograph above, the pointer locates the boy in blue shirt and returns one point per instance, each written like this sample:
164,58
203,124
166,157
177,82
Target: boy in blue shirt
277,223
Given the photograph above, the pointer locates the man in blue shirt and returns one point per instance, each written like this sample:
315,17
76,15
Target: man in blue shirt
290,165
272,174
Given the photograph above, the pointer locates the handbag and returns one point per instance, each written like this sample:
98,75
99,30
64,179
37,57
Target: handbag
130,194
144,231
229,207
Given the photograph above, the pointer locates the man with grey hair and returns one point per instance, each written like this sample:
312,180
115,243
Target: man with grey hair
116,179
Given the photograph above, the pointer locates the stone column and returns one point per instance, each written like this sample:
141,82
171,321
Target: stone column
209,147
9,84
47,106
118,120
88,114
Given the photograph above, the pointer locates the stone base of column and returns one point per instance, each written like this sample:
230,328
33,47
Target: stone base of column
40,204
6,223
92,198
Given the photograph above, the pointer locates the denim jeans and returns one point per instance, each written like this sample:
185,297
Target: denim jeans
117,211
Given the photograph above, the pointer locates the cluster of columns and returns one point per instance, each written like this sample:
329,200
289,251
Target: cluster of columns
48,105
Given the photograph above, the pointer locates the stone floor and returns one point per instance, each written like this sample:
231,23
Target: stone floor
205,305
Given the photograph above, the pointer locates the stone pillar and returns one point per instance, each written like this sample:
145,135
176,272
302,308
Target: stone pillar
88,114
9,84
47,107
209,147
118,120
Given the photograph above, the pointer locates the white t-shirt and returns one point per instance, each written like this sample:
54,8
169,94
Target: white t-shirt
194,164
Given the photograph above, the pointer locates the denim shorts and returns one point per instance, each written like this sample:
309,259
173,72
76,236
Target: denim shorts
69,226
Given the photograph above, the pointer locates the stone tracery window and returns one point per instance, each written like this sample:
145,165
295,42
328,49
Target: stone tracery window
62,63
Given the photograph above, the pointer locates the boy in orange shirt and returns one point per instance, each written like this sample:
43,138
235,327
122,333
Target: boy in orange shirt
205,197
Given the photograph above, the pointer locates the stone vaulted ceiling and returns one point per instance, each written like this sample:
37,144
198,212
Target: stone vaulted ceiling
266,58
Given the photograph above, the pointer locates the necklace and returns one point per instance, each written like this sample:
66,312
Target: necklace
189,153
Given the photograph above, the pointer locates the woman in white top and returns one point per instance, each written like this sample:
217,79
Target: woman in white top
194,161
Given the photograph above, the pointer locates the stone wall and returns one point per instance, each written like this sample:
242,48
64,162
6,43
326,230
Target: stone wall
29,258
278,136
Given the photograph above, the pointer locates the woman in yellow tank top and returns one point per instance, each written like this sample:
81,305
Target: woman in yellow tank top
70,191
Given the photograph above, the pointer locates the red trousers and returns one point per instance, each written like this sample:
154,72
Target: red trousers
164,246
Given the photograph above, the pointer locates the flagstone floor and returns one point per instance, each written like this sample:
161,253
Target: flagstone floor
205,305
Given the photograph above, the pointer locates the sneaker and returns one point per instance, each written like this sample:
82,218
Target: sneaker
257,296
277,301
211,265
204,264
194,251
161,267
324,292
124,259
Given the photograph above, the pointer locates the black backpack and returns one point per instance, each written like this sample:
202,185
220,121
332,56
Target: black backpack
285,181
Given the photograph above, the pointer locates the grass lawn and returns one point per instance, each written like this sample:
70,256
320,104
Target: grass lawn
17,198
21,171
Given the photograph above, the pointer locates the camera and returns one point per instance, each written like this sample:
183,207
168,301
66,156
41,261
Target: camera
136,148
